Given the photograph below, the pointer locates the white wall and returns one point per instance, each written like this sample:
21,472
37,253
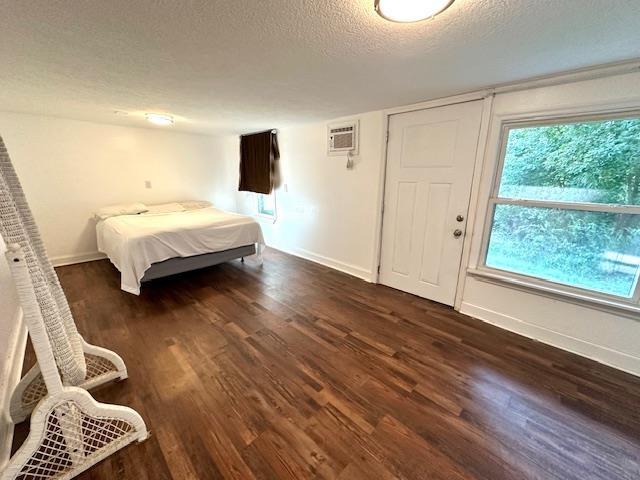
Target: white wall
8,308
325,212
12,337
70,168
608,338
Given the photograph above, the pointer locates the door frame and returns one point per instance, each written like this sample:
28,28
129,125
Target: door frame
486,96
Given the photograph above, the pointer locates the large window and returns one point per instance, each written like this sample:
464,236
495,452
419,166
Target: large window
565,208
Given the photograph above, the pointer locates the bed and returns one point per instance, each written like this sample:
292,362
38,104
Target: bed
157,243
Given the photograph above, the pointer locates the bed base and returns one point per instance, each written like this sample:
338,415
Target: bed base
186,264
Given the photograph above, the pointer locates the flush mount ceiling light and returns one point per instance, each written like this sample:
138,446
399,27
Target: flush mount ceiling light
410,10
160,119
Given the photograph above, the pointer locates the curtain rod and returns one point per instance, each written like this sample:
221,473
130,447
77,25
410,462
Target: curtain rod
272,130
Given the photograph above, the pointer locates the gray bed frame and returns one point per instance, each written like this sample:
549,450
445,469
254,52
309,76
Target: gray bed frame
186,264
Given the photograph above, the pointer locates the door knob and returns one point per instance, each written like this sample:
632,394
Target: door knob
459,218
457,233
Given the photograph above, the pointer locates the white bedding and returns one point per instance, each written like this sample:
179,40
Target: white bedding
134,242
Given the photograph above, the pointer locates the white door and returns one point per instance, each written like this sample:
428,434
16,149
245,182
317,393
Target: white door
430,159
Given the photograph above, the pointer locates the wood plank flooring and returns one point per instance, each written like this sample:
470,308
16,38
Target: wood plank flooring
296,371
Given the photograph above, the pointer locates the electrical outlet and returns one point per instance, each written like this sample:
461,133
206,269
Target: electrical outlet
147,184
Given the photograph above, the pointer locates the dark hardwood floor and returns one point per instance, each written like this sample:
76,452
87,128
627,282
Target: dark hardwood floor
294,371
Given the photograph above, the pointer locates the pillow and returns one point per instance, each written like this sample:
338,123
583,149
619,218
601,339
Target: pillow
196,204
165,208
122,209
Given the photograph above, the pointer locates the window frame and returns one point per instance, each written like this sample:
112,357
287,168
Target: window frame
530,282
261,214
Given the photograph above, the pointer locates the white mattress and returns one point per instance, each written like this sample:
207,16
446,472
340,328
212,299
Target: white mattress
134,242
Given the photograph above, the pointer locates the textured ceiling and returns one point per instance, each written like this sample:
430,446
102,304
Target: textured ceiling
224,66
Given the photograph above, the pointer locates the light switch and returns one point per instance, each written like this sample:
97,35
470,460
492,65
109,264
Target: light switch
147,183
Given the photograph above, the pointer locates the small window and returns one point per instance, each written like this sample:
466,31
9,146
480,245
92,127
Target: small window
566,206
267,205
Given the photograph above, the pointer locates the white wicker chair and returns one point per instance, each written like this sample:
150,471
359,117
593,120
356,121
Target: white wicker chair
69,431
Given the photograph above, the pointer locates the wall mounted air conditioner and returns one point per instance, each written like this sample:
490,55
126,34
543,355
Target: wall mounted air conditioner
342,138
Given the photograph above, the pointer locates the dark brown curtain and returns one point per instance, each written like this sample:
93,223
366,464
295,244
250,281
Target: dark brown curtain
258,156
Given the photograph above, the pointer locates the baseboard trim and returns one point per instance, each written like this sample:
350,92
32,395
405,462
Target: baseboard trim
62,260
12,372
343,267
612,358
350,269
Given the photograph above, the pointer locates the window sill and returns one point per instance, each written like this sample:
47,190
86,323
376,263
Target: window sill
558,293
265,217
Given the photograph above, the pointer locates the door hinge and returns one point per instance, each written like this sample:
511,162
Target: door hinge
378,269
387,137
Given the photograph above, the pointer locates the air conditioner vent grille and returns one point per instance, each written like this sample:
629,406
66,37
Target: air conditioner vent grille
343,138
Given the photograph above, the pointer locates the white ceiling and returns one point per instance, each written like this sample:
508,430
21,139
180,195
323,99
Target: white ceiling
230,66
